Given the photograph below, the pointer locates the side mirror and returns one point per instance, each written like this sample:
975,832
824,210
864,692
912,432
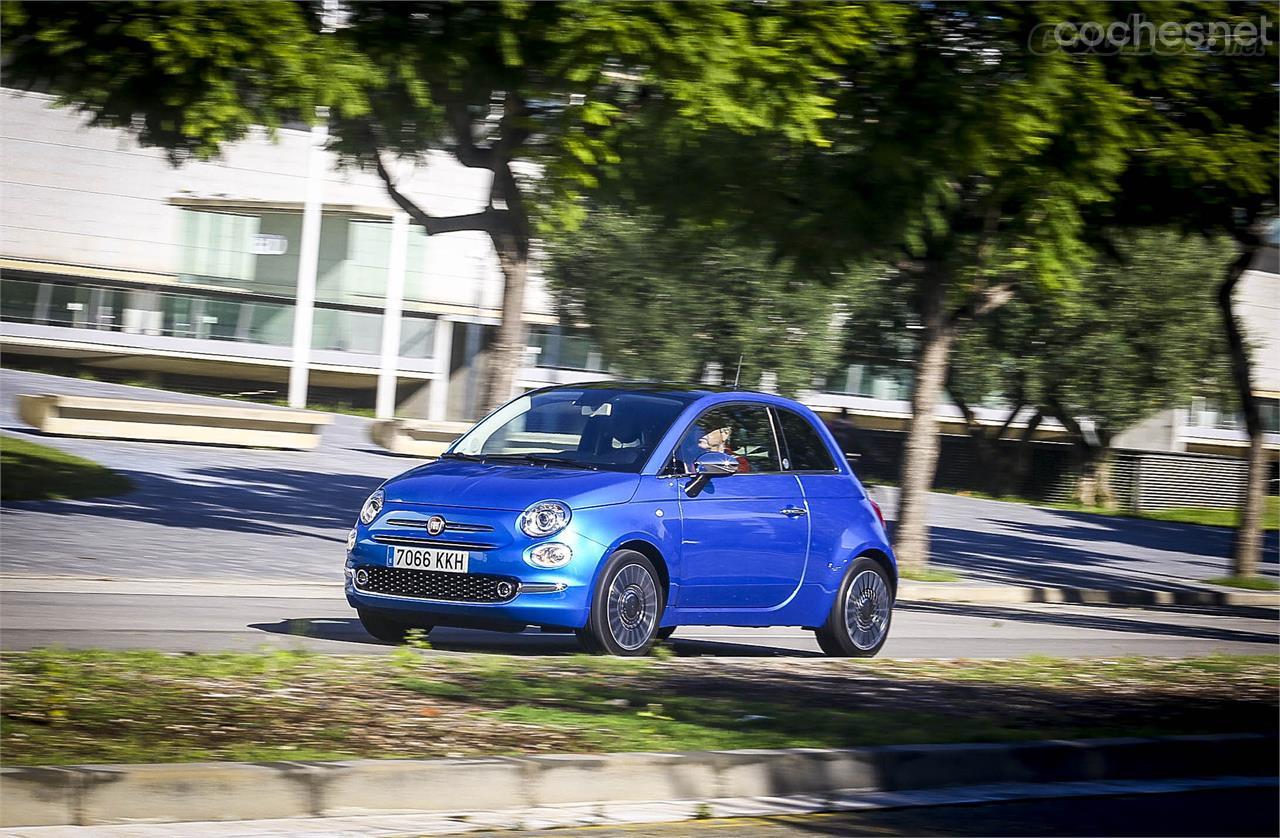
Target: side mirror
709,465
715,464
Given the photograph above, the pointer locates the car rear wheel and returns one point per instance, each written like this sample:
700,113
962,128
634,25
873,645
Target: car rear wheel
625,608
858,623
386,628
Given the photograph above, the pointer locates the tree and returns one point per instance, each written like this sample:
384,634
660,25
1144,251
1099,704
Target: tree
1204,159
535,93
958,156
981,168
1139,336
667,301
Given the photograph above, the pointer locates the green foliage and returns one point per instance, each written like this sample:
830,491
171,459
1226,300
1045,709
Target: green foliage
1249,583
1140,335
187,77
664,301
550,82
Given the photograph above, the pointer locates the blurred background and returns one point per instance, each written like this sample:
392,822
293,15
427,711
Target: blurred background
1023,259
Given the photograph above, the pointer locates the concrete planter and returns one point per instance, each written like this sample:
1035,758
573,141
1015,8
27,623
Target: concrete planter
94,795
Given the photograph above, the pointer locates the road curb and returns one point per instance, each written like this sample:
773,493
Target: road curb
90,795
910,591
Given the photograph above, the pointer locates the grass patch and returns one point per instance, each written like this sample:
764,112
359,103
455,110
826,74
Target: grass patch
928,574
76,707
1249,583
1218,517
29,471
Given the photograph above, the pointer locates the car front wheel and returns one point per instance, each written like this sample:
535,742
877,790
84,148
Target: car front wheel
625,607
858,623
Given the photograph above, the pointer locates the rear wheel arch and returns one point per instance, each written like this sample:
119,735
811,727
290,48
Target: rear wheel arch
881,558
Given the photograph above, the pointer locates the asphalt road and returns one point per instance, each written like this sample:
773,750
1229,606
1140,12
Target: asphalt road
202,511
1253,811
209,616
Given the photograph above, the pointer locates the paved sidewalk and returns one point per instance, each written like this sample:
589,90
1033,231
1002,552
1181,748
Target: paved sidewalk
202,511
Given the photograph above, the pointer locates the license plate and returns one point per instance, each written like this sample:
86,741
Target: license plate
426,558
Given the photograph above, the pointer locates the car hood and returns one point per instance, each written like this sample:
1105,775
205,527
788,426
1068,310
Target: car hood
506,486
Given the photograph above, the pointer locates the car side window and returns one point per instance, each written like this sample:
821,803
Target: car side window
742,431
805,449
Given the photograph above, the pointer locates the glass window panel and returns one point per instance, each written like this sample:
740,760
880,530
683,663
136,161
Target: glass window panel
417,337
18,300
347,331
742,431
805,448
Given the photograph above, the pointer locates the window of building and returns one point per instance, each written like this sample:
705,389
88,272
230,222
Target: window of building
218,245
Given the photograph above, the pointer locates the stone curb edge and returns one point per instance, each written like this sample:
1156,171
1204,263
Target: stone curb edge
908,591
88,795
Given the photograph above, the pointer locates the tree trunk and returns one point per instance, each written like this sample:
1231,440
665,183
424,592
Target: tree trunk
506,220
920,455
1023,458
507,353
1246,551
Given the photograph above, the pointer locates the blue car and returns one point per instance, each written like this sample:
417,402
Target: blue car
622,511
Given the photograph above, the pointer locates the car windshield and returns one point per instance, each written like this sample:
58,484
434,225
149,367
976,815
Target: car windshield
594,428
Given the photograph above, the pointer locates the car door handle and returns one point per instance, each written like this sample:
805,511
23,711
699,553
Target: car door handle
794,512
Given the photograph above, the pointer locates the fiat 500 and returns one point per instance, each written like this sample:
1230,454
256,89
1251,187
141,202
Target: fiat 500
621,512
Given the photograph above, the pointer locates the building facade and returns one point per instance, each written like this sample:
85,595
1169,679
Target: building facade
115,259
187,276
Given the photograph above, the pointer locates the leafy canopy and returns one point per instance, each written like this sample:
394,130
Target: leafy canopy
550,82
664,302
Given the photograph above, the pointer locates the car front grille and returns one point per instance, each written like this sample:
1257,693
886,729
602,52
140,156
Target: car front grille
433,584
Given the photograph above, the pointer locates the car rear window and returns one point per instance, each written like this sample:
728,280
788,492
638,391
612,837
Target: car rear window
805,449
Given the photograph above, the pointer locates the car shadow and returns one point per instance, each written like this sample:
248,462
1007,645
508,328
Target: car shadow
526,643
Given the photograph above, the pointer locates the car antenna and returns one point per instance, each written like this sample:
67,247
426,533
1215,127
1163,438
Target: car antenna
737,373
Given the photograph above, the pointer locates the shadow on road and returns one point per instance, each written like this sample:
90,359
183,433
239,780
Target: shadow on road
265,501
1090,621
529,642
1029,557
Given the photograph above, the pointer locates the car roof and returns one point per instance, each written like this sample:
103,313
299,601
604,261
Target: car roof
690,392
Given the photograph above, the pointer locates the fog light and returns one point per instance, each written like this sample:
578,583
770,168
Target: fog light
362,577
505,589
351,540
550,555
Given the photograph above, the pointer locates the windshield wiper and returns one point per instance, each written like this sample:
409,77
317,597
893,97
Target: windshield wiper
453,455
540,460
558,461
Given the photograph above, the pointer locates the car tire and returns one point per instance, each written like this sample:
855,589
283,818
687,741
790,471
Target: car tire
385,628
858,623
625,607
665,632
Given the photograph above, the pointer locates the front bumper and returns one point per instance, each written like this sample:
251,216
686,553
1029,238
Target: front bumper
501,589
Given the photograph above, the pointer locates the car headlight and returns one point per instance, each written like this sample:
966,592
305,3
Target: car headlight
550,555
544,518
351,540
371,507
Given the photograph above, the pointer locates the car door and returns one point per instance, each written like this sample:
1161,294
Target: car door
745,535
